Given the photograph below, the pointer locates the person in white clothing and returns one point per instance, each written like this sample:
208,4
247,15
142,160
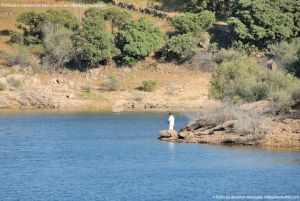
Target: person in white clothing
171,121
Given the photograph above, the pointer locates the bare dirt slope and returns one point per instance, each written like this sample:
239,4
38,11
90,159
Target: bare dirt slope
177,88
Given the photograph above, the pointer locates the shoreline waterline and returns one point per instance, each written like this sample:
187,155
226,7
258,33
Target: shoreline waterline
179,114
94,110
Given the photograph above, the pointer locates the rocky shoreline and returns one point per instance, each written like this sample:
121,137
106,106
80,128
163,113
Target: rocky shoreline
283,132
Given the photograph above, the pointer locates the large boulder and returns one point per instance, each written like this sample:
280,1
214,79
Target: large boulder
3,83
35,99
15,80
183,134
263,106
168,134
188,136
205,41
4,72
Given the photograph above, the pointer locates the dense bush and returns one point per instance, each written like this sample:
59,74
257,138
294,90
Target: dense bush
118,18
58,46
260,23
149,85
239,78
180,47
138,39
16,37
292,8
190,28
227,55
32,23
62,18
95,13
194,23
95,44
223,7
287,55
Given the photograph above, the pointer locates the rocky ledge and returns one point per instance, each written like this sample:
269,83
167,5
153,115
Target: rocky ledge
283,131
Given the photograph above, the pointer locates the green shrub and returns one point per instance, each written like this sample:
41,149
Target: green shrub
221,7
282,99
31,23
190,28
16,37
240,78
62,18
149,85
194,23
295,91
287,55
180,47
262,22
118,17
227,55
138,39
95,44
95,13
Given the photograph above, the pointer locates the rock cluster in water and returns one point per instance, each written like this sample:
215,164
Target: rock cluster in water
283,131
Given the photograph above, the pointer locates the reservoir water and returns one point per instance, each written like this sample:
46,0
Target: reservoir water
118,157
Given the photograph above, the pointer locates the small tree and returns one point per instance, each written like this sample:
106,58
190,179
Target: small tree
137,39
95,44
58,45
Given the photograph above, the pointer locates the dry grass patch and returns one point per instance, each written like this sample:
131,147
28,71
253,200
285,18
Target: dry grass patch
91,96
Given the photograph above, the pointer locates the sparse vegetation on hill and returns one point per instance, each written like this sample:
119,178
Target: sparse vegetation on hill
287,55
149,85
238,77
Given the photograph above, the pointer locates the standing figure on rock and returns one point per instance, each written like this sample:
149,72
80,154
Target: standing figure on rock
171,121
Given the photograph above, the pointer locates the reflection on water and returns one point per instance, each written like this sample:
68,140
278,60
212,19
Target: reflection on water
171,150
118,157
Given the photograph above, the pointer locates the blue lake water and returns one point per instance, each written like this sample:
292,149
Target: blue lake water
118,157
